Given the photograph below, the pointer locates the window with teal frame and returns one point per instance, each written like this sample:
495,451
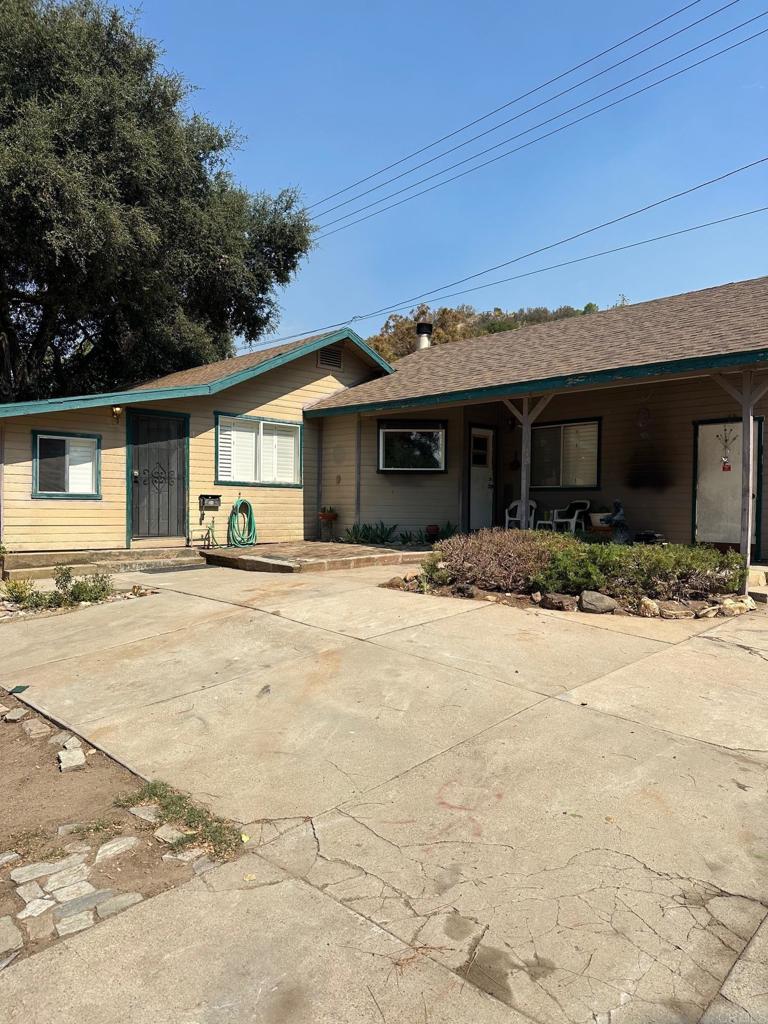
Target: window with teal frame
66,465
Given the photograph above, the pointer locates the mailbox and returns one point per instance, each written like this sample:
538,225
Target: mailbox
209,502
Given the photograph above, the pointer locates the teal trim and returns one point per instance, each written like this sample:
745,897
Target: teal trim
185,416
759,455
551,383
218,413
60,495
195,390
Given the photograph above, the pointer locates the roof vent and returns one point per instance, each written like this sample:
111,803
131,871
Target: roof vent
330,358
423,334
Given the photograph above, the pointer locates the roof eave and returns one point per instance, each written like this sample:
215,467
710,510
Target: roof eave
510,389
51,405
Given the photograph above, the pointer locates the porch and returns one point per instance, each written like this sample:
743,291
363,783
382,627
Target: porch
668,448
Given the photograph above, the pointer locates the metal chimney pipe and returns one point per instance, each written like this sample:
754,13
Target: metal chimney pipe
423,334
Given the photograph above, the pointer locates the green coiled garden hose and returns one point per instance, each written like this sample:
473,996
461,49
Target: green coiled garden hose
241,528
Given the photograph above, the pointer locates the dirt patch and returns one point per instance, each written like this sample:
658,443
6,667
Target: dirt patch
39,800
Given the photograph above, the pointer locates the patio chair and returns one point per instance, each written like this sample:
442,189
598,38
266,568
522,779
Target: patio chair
568,518
513,515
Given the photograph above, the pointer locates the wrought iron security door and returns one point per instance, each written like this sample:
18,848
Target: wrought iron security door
158,475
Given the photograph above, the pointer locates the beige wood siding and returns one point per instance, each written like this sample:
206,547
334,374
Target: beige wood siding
646,427
282,513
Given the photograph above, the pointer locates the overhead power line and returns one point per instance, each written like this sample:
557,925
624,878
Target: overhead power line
509,103
537,106
403,303
538,138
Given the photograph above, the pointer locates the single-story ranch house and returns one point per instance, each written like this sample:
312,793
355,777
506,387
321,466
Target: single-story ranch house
659,405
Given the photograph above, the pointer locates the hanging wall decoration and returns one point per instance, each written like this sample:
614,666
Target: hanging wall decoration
726,438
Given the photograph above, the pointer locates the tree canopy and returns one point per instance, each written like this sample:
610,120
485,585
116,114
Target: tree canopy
127,250
397,336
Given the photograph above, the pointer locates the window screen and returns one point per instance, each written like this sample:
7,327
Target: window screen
67,465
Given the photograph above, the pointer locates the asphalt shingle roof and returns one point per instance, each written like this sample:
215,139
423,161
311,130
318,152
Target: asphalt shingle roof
728,319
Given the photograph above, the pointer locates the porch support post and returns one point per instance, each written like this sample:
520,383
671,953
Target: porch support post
747,462
526,418
525,466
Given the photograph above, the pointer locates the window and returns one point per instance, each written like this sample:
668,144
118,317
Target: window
66,465
411,447
253,451
331,358
565,454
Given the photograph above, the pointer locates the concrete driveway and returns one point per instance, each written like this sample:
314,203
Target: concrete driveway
458,811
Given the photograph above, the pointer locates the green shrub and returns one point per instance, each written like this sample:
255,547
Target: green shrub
370,533
434,572
19,591
522,561
91,588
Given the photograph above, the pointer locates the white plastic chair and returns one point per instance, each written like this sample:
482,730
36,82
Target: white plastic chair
568,517
514,512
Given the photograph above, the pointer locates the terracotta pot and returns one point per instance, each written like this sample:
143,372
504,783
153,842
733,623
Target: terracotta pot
328,517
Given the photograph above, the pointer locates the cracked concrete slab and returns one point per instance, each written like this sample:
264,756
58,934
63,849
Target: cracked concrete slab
335,722
711,689
230,643
666,631
572,865
266,950
369,612
743,998
527,648
41,641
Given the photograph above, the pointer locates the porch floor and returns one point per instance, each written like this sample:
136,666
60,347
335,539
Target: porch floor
310,556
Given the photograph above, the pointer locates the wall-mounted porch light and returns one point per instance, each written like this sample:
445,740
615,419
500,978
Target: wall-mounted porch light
117,412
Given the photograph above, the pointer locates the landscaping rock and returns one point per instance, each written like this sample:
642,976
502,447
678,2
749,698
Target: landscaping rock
185,856
39,928
536,597
168,834
597,603
559,602
648,608
3,710
67,877
729,608
118,903
35,907
10,936
88,902
673,610
15,715
60,738
35,729
68,830
76,923
71,760
115,847
8,857
30,891
43,867
77,847
73,743
748,602
708,611
73,892
147,812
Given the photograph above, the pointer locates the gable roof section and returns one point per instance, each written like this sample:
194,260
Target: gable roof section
208,379
716,327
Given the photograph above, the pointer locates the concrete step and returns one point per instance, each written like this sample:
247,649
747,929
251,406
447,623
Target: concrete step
140,560
33,559
758,575
759,594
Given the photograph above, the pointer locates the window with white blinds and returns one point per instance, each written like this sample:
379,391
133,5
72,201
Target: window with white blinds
258,451
66,465
565,454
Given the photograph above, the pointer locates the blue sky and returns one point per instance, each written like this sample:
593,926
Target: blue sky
325,94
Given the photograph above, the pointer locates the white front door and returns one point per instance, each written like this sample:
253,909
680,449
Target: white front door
481,482
718,482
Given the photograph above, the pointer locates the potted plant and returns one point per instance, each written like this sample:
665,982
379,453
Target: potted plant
327,516
433,533
598,515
